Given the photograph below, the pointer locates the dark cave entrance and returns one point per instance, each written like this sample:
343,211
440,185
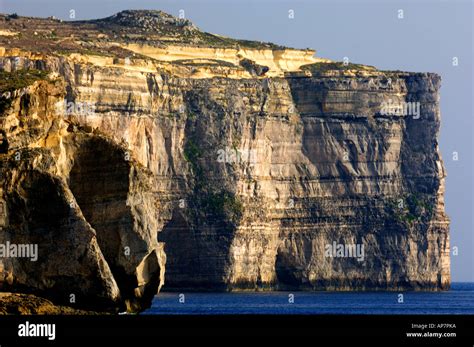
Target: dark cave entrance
197,253
99,181
182,258
3,142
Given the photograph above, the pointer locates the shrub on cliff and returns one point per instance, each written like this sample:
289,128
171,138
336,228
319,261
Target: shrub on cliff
10,81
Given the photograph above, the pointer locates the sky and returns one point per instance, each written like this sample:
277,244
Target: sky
427,38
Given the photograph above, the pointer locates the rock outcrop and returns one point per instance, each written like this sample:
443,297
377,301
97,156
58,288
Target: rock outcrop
243,162
82,200
27,304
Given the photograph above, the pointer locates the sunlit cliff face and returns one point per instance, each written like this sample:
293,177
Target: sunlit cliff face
195,161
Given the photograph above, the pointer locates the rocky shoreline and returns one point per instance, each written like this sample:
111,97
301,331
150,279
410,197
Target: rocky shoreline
28,304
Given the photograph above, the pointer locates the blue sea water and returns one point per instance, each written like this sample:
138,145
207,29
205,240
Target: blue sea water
458,300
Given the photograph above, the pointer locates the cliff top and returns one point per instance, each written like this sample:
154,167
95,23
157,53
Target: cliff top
149,20
151,40
150,27
147,40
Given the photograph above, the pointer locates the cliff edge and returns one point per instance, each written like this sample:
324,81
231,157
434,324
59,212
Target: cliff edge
137,152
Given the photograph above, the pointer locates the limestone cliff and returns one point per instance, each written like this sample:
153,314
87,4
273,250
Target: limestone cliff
241,161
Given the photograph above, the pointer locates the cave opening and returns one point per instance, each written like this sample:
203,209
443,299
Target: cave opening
3,142
182,257
99,180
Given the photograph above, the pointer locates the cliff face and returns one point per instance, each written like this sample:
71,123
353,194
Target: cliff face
75,195
242,162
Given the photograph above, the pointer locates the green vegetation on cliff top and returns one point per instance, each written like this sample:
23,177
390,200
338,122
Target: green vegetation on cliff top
323,67
10,81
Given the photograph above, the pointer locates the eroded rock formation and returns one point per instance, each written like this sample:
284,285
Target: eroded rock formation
240,160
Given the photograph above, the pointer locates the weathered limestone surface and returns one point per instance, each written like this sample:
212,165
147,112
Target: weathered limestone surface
75,195
143,172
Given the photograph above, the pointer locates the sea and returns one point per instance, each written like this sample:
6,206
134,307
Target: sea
458,300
